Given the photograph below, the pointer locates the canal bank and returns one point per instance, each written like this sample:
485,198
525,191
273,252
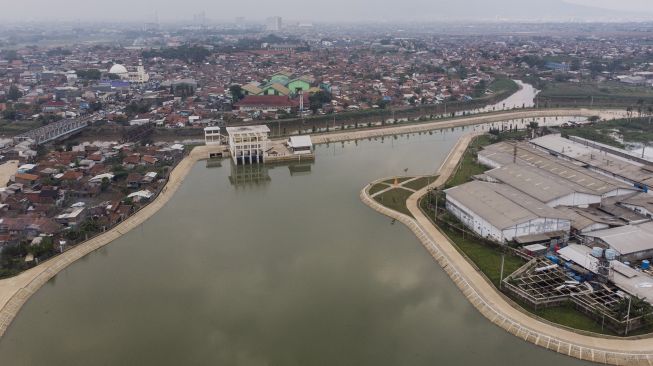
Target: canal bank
492,304
465,121
15,291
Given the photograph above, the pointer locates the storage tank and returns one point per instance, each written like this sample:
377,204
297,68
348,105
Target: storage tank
610,254
646,264
553,258
597,252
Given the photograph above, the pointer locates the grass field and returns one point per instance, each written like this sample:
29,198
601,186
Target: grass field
500,85
395,199
485,257
636,130
568,316
598,90
608,94
420,182
468,165
15,128
399,180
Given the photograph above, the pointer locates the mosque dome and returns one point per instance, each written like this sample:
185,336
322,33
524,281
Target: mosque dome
118,69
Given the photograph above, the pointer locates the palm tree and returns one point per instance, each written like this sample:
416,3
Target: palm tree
640,104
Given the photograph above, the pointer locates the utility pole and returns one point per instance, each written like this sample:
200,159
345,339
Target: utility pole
628,314
435,215
503,258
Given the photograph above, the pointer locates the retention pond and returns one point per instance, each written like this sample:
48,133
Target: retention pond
269,266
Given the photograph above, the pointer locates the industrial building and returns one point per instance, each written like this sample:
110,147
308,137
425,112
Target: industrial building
637,283
300,145
616,163
632,242
503,213
564,186
248,144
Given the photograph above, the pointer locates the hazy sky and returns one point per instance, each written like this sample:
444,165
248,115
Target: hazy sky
329,10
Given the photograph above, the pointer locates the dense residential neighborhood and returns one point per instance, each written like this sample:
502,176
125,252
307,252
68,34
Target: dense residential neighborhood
65,197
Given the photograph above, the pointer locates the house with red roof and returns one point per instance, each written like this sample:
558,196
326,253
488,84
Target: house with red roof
265,103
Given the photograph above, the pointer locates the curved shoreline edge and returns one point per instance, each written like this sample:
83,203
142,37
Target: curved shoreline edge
15,291
487,299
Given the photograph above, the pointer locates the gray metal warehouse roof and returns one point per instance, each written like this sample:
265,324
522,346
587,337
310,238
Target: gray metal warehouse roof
539,183
590,181
617,165
627,239
501,205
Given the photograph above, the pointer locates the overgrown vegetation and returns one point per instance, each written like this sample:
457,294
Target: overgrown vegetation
634,130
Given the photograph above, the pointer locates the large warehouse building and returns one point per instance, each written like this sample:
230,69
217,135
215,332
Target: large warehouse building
612,162
565,186
532,191
502,213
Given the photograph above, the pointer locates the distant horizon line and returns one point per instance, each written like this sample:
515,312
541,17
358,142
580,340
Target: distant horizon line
261,21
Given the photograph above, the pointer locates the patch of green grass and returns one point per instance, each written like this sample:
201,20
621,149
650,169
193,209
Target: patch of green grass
399,180
503,85
18,127
592,134
630,130
485,257
469,166
597,90
377,188
395,199
420,182
568,316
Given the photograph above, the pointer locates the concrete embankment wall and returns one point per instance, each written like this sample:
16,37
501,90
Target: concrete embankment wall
492,304
459,122
15,291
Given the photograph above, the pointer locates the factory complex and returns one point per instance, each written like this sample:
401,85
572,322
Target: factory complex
583,211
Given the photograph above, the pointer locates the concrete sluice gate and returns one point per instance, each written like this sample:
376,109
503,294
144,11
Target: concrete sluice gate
249,159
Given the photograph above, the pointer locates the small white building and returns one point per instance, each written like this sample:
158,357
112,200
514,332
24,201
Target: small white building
502,213
212,135
300,145
248,144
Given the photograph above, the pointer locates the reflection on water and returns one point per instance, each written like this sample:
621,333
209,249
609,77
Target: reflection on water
300,169
213,163
250,174
255,174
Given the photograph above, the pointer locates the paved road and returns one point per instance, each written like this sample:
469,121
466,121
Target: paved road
493,305
464,121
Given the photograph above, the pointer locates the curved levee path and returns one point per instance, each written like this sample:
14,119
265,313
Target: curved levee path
391,129
15,291
492,304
